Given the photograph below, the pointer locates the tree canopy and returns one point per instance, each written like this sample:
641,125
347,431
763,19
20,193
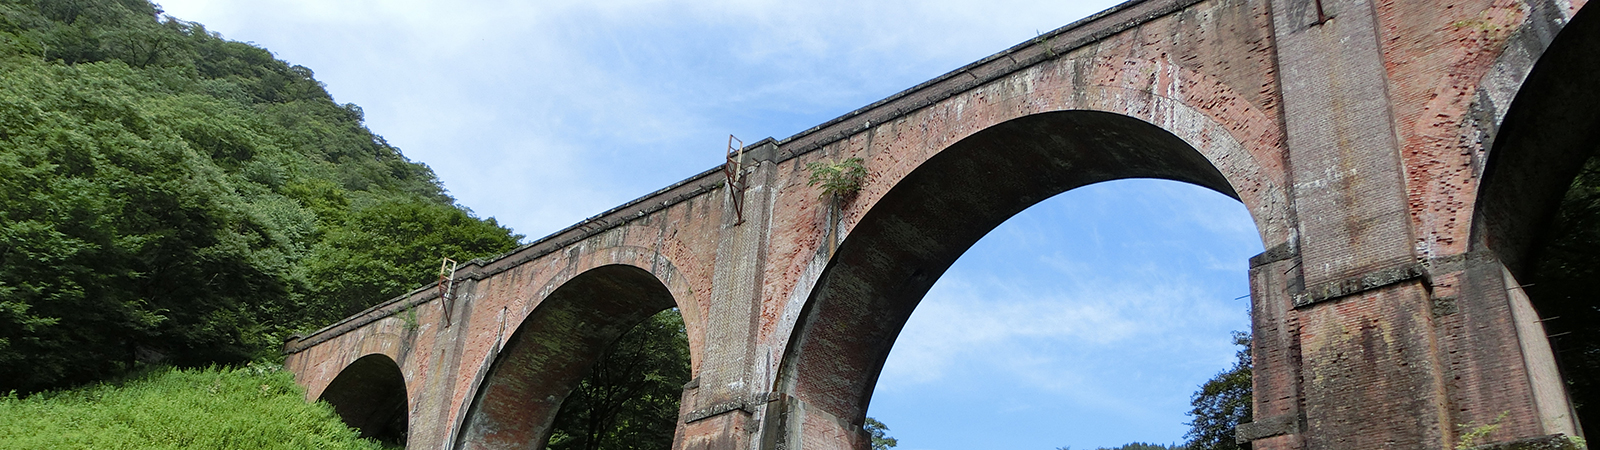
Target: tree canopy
629,400
1222,403
880,435
167,195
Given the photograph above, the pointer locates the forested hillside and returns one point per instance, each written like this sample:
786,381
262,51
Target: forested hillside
171,197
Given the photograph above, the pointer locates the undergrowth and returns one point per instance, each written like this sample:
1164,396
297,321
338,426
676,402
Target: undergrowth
253,407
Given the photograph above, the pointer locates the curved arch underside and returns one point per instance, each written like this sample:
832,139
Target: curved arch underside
370,396
1550,129
553,350
1550,132
919,228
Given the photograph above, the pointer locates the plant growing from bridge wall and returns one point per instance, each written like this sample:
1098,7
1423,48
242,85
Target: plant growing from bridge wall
1049,50
1470,435
410,318
839,180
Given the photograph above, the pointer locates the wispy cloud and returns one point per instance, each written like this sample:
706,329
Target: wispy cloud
1048,335
1101,307
541,113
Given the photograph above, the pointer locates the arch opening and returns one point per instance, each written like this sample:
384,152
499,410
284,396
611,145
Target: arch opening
1537,214
548,356
1549,130
631,397
1089,319
916,231
370,396
1560,288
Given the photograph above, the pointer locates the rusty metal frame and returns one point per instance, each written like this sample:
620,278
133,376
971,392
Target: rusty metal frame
733,169
447,284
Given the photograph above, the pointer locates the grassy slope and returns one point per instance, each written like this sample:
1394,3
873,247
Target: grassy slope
255,407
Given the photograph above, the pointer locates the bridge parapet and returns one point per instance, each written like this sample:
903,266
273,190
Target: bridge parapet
1316,114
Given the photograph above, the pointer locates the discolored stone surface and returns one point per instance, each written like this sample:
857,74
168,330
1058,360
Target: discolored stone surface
1398,159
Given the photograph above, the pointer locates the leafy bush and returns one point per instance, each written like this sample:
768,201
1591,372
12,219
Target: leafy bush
255,407
837,179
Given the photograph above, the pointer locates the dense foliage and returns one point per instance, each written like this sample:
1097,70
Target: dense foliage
256,407
1563,291
170,196
879,434
1223,403
629,400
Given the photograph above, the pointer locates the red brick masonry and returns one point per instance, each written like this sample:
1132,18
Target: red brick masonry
1398,159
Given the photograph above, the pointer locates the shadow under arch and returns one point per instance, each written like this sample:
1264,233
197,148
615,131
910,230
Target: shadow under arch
552,350
370,396
1549,132
907,240
1551,127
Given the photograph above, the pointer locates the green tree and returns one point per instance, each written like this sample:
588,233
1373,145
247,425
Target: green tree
168,196
880,435
390,246
629,400
117,240
1223,403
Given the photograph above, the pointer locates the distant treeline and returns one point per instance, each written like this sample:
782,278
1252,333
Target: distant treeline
1145,446
168,196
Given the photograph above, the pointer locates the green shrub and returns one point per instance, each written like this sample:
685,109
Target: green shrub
254,407
837,179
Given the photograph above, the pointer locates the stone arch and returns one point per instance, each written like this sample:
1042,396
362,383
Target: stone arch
388,337
644,247
1549,130
922,224
552,349
370,396
1240,139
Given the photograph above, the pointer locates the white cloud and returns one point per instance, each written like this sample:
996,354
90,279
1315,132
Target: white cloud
1104,305
1050,336
542,113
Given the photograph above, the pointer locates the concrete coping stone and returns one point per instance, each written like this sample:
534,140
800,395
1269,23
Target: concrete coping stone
1369,281
1267,427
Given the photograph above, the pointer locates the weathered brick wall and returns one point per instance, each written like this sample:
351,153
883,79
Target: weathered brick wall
1356,132
443,365
1204,73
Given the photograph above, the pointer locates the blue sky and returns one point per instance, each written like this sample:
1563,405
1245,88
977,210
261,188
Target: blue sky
1085,321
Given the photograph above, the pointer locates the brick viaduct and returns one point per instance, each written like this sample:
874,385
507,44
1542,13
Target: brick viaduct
1399,158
